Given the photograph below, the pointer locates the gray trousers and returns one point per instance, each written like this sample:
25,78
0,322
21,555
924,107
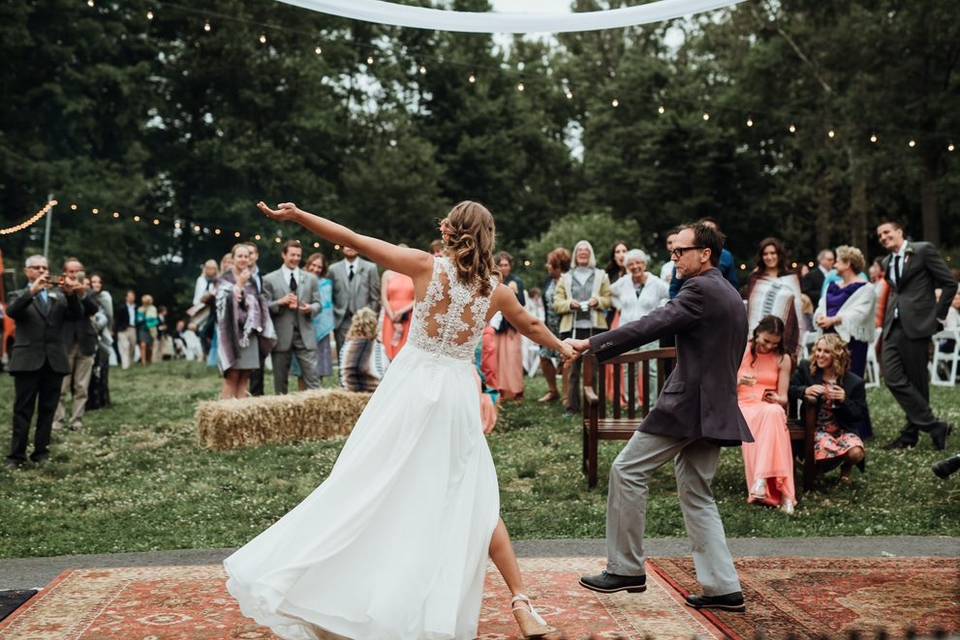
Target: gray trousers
695,461
306,358
77,384
905,372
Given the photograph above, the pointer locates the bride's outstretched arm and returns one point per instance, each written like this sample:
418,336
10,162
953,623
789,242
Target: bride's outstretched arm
505,300
412,262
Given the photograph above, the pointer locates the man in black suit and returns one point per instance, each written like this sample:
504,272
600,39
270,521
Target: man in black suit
696,414
914,270
813,282
38,360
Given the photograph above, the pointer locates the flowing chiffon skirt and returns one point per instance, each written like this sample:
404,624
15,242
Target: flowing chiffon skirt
394,544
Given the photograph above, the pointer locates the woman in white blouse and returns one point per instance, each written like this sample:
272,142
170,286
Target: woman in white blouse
848,308
638,292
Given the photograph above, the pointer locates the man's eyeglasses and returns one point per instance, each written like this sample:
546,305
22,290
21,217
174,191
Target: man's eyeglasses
679,251
39,267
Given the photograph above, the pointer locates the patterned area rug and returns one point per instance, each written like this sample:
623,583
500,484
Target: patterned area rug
191,603
834,597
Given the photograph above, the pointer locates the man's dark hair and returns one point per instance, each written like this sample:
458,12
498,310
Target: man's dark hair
291,243
896,223
706,237
710,220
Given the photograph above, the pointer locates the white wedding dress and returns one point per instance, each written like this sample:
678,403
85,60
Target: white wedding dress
394,543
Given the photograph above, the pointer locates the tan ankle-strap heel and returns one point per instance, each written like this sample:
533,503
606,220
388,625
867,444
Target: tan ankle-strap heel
531,624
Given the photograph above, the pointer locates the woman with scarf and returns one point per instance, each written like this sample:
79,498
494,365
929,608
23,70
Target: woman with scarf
582,297
244,325
775,290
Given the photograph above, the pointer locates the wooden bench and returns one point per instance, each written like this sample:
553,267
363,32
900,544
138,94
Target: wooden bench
597,424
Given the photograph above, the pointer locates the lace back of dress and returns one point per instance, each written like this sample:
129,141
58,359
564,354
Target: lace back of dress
451,317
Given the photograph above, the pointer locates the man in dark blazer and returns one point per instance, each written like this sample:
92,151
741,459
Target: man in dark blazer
38,360
696,414
812,284
914,270
81,340
356,284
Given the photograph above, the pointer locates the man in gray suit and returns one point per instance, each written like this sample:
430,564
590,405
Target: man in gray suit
356,284
695,415
294,298
914,271
38,360
81,339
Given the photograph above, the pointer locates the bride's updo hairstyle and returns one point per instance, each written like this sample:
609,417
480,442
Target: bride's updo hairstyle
469,236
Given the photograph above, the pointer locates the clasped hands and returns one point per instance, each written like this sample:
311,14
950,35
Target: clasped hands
830,391
571,349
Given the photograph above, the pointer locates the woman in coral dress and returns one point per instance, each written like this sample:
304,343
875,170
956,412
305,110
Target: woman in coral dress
398,298
762,391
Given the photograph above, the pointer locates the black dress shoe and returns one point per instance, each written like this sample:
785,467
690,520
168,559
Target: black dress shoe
945,468
728,602
939,435
899,443
612,583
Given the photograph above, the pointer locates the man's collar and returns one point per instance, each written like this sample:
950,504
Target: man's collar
354,261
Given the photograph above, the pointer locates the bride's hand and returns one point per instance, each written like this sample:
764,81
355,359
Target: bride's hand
285,211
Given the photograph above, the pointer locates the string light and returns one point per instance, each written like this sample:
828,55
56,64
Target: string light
873,138
912,144
206,26
749,121
136,218
32,220
318,51
792,128
196,228
277,240
369,59
661,110
423,70
257,237
90,3
472,79
263,38
236,234
950,147
156,221
706,116
216,232
569,95
614,103
520,86
95,211
73,207
831,134
316,245
149,15
116,214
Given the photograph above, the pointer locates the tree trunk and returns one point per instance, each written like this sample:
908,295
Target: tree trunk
928,199
859,204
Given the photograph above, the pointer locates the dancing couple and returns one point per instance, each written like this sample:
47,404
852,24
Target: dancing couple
393,544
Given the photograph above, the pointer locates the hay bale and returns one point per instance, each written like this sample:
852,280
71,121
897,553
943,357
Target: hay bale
308,415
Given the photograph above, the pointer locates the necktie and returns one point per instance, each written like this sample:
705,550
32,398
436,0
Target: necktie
293,283
350,277
44,299
896,269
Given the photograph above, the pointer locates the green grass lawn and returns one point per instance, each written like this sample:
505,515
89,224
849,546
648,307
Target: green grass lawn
136,480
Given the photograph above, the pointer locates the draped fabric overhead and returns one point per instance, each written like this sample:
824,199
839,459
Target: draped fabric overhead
493,22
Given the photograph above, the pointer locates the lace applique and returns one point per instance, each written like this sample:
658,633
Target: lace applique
451,317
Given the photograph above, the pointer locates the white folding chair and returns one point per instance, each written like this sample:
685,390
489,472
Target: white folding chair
872,374
948,359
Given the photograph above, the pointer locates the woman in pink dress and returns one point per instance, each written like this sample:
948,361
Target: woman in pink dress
762,390
397,302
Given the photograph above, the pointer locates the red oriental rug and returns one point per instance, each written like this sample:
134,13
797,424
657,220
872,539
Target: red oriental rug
191,603
835,597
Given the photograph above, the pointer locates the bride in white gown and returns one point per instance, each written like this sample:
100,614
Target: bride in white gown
393,544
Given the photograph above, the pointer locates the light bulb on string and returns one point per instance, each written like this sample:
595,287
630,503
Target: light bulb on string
614,103
569,94
206,26
520,86
116,214
236,234
136,218
661,110
257,237
912,144
176,225
472,79
369,59
263,38
318,50
873,138
749,121
95,211
277,240
706,116
73,207
831,134
792,128
423,70
90,3
149,15
196,228
156,222
216,232
950,147
316,245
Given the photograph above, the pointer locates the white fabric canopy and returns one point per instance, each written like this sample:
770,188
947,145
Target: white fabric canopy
493,22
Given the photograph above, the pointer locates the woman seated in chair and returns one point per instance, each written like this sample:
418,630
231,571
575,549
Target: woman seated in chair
762,392
363,360
841,400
